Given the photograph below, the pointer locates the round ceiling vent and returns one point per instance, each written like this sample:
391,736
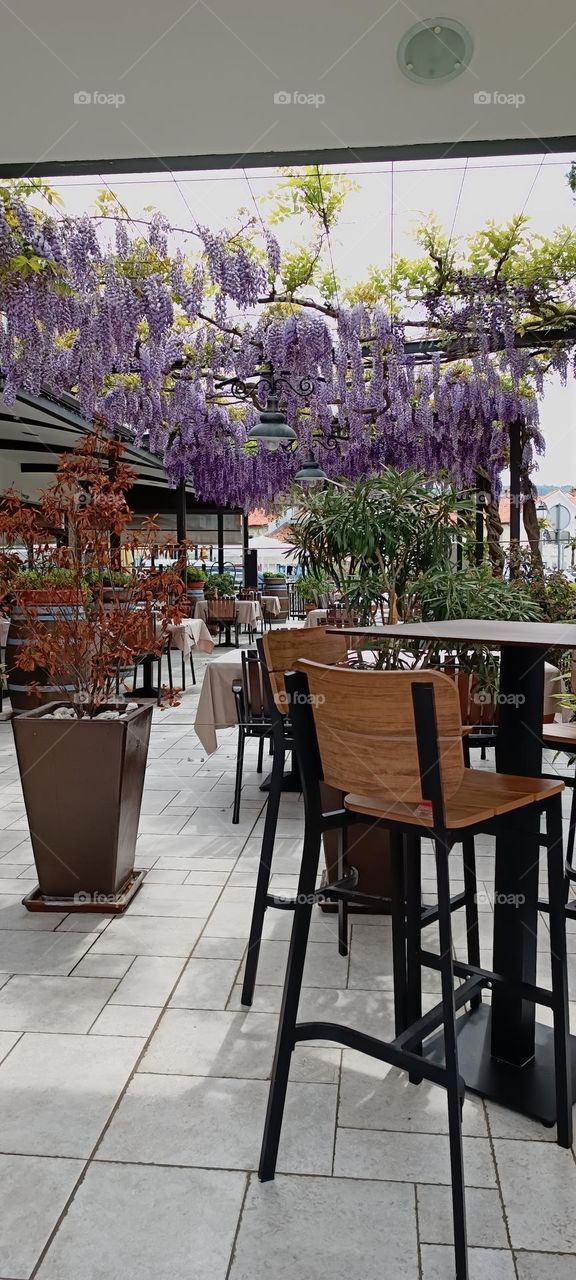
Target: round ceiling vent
436,49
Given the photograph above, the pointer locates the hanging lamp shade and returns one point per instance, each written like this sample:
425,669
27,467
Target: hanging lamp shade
272,429
311,472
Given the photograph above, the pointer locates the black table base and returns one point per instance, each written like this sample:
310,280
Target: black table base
529,1090
291,783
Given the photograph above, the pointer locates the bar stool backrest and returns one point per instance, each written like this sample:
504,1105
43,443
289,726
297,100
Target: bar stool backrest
254,690
284,647
366,730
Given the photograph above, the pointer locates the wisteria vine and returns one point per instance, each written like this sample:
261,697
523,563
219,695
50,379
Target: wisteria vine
142,336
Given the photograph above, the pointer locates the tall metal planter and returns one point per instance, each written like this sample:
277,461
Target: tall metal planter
82,782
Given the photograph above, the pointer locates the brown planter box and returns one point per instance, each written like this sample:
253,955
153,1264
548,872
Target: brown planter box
82,783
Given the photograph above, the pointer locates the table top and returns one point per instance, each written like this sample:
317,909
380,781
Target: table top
545,635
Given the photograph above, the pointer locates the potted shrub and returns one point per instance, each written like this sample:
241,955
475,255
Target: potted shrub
41,597
275,585
114,584
312,588
220,585
82,756
195,582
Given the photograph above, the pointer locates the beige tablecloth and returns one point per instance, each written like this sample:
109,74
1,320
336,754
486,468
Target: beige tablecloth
190,633
316,618
4,625
216,704
271,604
248,612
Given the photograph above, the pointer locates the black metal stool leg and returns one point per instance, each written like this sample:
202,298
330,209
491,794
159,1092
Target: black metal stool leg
471,909
192,668
183,667
290,1001
342,837
239,768
557,918
570,844
398,930
413,877
263,881
170,676
454,1086
260,755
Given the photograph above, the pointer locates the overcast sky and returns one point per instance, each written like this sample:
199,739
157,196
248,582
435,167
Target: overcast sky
378,221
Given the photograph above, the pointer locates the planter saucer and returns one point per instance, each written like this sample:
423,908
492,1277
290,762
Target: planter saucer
104,903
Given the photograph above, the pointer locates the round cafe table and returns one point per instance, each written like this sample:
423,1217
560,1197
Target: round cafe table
504,1053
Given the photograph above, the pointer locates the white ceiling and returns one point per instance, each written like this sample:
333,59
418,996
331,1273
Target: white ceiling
199,79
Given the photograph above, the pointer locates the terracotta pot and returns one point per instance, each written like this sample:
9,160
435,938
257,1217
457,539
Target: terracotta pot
82,782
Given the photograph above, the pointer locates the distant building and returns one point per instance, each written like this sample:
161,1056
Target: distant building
557,512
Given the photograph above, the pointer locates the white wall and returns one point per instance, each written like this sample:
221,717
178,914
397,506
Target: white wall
200,79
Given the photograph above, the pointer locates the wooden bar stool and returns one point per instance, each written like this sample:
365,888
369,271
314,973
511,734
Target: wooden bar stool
280,651
397,738
562,737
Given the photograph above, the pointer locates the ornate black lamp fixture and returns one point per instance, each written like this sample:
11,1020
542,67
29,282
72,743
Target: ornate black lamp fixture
271,429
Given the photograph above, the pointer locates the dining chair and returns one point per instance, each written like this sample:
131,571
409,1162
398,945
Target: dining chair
253,713
223,615
392,742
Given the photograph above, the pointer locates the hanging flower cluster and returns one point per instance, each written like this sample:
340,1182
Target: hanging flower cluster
142,337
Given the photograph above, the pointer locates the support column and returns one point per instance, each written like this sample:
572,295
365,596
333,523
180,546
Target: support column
181,512
220,542
515,495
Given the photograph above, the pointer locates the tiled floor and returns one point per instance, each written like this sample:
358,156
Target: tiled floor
133,1085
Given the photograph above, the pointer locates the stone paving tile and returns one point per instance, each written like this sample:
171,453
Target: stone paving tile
328,1229
539,1191
197,1095
57,1091
146,1224
52,1004
218,1123
33,1193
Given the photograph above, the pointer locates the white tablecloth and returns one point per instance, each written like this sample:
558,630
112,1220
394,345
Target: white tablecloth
216,704
190,633
248,612
4,625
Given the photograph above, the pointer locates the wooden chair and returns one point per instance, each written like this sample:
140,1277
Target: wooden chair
393,742
253,712
223,615
280,651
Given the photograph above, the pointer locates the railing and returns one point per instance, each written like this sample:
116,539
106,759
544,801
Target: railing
295,601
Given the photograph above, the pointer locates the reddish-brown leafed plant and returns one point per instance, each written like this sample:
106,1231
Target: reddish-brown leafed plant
91,561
